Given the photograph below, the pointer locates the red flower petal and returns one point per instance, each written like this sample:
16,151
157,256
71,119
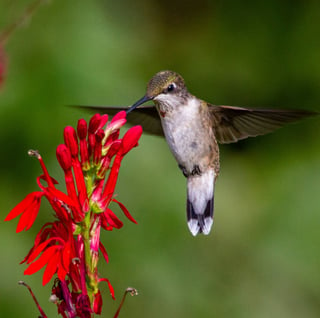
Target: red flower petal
62,272
66,255
97,303
41,237
46,175
104,252
116,125
113,148
112,179
122,114
40,248
98,146
125,211
43,177
51,268
28,217
70,139
30,199
55,194
94,123
93,126
41,261
113,219
64,157
130,139
81,185
112,138
104,223
109,285
84,152
104,120
117,121
82,129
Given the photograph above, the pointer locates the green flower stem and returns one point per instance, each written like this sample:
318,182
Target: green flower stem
91,279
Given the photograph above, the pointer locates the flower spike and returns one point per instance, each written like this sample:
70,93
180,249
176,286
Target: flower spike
69,248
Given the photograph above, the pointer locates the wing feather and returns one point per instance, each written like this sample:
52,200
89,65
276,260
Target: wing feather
146,116
231,124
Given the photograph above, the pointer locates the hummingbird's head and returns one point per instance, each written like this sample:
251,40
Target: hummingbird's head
164,86
165,82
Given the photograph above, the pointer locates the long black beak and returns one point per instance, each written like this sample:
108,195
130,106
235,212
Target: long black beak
138,103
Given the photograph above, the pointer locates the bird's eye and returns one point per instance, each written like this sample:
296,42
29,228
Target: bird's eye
171,87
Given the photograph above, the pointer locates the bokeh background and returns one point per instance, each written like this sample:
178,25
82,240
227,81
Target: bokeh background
262,258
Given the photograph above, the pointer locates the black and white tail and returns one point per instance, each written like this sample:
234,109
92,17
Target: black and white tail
200,202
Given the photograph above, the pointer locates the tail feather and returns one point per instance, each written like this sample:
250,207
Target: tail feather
200,203
200,223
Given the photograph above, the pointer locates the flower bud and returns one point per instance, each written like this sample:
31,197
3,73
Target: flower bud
64,157
97,303
82,129
94,123
130,139
70,139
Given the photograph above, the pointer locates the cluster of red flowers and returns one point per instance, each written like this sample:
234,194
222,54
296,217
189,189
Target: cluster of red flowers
69,246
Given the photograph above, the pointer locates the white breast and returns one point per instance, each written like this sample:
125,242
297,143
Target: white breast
183,132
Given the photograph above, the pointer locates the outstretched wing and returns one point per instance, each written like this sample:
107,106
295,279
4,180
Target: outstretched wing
146,116
231,124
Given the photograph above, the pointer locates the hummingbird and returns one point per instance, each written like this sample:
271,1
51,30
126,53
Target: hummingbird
193,128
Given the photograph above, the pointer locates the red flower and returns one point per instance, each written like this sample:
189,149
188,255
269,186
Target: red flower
69,247
29,207
57,252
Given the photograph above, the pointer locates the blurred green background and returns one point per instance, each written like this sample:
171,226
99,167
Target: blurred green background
262,258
